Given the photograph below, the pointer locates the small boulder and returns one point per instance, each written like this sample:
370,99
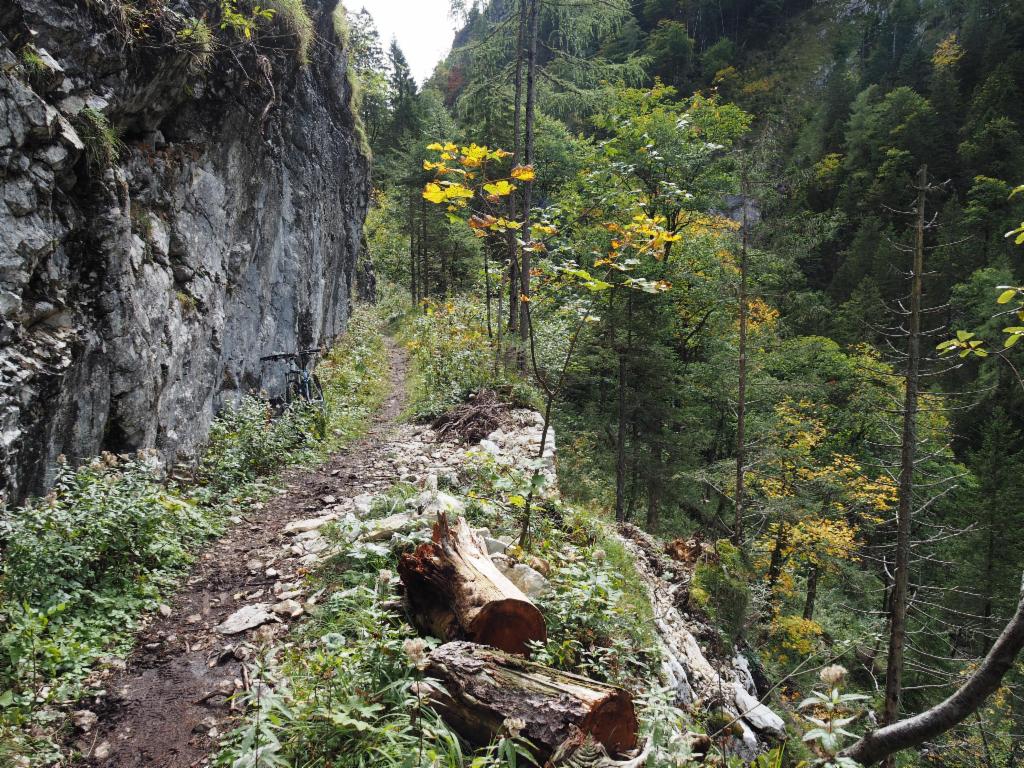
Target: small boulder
249,617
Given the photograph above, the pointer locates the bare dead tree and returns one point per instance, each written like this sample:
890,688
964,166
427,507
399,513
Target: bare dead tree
884,742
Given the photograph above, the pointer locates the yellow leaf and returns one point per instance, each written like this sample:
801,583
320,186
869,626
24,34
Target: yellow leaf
434,194
523,173
435,147
499,188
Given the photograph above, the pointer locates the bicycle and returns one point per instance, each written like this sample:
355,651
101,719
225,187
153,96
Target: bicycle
301,383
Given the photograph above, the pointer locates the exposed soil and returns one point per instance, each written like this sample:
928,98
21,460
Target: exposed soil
169,706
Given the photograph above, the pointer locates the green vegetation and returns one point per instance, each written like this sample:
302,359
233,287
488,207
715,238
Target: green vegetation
103,145
84,564
344,687
713,205
197,37
295,18
33,62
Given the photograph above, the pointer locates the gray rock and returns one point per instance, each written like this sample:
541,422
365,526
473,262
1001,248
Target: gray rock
362,504
247,617
757,714
288,608
254,224
85,720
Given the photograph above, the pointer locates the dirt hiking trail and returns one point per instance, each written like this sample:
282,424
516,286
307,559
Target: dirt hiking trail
168,706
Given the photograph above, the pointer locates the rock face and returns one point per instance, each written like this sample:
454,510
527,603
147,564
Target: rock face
136,297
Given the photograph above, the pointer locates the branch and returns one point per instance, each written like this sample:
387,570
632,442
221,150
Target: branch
879,744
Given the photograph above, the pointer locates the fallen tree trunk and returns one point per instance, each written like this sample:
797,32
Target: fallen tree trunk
879,744
455,592
484,690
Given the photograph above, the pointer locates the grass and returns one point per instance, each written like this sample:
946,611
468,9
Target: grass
196,38
295,18
103,145
85,564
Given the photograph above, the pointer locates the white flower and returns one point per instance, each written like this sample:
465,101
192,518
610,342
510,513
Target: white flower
599,555
416,649
832,675
384,577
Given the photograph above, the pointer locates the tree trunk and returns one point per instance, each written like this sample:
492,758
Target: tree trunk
455,592
812,592
620,443
908,445
413,285
483,688
517,119
424,264
531,109
741,398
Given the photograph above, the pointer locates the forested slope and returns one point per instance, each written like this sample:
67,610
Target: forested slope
729,195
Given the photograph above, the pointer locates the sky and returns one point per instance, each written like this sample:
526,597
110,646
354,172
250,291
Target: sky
423,28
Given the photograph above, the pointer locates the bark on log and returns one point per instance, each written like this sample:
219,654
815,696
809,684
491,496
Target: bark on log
483,688
455,592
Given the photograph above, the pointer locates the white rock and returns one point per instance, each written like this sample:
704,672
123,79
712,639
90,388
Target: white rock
362,503
248,617
102,751
84,720
312,524
495,546
527,579
757,714
165,610
290,608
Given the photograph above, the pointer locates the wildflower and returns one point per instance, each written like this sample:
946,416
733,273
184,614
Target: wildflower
384,577
599,555
514,726
832,675
416,649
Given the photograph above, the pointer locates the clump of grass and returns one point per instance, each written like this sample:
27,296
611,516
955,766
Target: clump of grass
296,20
187,301
196,38
33,61
103,145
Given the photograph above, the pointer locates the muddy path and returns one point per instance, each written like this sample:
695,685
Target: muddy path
168,706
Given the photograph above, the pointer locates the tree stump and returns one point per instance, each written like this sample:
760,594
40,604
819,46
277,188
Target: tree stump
484,688
455,592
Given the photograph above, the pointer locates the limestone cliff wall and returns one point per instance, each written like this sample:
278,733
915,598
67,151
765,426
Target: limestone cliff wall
137,297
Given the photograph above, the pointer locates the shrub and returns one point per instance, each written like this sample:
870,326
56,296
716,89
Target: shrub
79,564
247,442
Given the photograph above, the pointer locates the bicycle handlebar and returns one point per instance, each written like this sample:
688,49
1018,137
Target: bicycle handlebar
292,355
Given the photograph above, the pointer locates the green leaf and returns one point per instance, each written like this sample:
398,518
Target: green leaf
964,335
1006,296
1011,340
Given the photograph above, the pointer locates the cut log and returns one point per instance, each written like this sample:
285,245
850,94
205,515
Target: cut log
482,689
455,592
